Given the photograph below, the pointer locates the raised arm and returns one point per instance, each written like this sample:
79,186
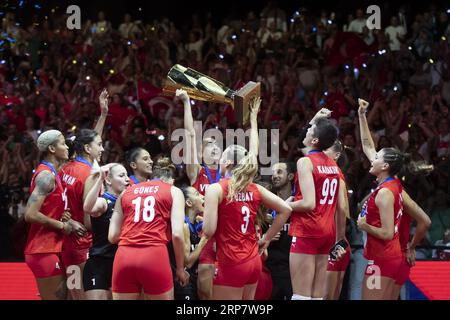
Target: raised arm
177,223
192,164
210,215
307,188
93,204
103,100
115,224
385,203
254,138
366,138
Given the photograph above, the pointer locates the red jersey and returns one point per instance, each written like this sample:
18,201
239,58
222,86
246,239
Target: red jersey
319,222
236,240
377,248
404,228
146,214
203,181
42,239
73,176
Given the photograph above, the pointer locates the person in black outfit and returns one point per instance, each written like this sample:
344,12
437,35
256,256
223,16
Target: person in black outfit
278,259
194,243
97,274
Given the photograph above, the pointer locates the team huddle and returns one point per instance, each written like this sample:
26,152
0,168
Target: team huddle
133,234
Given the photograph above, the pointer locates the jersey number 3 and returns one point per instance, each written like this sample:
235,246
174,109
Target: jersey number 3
328,190
246,213
148,212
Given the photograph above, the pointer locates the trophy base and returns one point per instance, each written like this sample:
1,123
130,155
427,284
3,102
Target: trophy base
242,99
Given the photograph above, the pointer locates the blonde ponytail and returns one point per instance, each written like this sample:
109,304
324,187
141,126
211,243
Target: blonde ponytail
243,173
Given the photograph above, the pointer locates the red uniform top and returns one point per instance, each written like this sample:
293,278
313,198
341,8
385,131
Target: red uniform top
377,248
146,214
404,228
319,222
235,236
41,239
73,176
203,181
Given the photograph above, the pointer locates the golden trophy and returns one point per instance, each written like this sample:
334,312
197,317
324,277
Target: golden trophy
201,87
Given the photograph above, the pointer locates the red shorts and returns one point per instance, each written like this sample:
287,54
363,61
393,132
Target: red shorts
74,256
238,275
45,265
340,265
389,268
264,288
403,272
208,255
312,245
145,267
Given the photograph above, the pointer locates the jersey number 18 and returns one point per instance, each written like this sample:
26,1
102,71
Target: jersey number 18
148,212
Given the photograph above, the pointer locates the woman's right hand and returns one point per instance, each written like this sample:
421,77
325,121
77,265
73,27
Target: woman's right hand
66,216
72,226
363,105
182,277
182,95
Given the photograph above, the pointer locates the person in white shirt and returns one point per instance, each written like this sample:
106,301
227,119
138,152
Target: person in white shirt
195,44
263,33
359,23
101,26
395,34
128,27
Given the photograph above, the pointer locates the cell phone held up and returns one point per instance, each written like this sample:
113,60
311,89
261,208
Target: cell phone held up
340,244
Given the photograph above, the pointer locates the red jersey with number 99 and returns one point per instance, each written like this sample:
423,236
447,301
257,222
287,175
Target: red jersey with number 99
319,222
146,214
236,239
378,248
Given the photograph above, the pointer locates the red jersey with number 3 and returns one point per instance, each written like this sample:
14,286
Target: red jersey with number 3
73,176
146,214
42,239
235,236
319,222
378,248
202,181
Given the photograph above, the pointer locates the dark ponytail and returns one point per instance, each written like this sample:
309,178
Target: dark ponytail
84,137
401,163
131,156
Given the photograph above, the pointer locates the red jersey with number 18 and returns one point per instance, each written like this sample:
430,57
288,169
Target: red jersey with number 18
236,234
146,214
318,223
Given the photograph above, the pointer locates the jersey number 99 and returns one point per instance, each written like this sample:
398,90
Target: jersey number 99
328,190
